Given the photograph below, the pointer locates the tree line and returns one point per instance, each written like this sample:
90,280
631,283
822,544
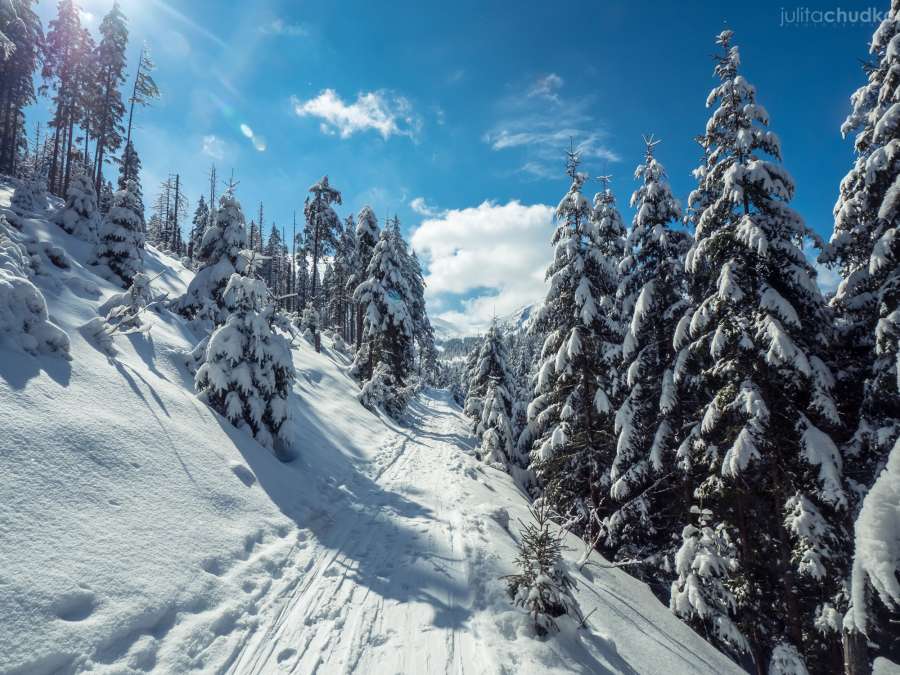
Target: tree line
690,404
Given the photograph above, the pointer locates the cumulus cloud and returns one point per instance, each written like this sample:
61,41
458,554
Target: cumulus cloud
540,124
279,26
485,261
423,208
381,111
214,147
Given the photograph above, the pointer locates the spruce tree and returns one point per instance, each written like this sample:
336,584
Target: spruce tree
571,415
198,228
866,249
769,474
21,50
248,370
122,237
367,234
490,365
495,428
644,490
384,363
219,256
111,63
81,214
322,224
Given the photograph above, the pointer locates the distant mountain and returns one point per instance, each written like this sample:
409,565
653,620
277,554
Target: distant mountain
516,321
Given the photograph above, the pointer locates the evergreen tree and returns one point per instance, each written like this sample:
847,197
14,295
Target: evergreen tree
274,250
81,214
219,256
570,416
63,55
21,49
383,364
30,195
644,488
322,224
122,237
866,249
495,429
543,587
367,234
769,474
198,229
130,169
248,371
111,63
489,365
143,92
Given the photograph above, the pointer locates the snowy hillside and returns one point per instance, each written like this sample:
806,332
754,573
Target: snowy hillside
142,533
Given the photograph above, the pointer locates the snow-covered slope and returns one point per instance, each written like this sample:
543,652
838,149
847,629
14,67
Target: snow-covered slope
139,532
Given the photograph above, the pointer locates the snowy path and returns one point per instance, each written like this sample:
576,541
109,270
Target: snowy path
394,593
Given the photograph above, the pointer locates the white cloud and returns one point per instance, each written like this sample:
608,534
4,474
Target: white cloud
423,208
214,147
485,261
281,27
381,111
546,87
828,278
540,125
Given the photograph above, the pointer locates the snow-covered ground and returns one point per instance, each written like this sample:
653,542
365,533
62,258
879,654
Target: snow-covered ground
140,532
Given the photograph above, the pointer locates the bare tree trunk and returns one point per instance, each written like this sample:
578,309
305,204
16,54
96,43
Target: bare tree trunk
856,653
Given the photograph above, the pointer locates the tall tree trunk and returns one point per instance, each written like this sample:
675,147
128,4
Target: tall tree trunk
69,153
856,653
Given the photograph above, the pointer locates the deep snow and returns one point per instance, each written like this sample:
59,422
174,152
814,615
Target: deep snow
140,532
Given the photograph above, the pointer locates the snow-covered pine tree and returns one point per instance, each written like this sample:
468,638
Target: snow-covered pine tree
248,371
219,257
768,473
367,234
105,198
384,362
81,215
489,364
646,489
866,248
130,169
322,225
121,244
24,320
198,229
495,429
542,587
30,195
570,418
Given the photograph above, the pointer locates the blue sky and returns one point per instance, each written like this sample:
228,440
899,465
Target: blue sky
445,113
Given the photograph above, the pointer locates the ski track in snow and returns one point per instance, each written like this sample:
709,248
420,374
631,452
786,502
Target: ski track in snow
355,608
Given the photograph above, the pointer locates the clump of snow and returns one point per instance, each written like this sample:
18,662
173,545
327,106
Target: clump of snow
24,320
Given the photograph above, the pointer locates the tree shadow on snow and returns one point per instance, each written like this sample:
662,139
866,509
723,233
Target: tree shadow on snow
17,369
380,533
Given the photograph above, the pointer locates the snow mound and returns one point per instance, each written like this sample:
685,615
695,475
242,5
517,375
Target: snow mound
143,533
